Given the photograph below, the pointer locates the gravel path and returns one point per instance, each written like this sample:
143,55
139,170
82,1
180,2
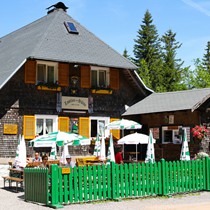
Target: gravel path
194,201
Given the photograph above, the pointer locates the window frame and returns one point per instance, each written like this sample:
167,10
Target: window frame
174,135
106,121
99,69
47,64
44,117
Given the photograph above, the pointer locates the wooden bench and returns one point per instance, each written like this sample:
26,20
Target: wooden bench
11,179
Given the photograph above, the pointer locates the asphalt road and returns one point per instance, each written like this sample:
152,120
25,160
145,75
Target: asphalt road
10,200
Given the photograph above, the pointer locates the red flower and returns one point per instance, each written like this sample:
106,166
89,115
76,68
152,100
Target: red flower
199,132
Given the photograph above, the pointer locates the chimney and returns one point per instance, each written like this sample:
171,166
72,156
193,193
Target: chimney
59,5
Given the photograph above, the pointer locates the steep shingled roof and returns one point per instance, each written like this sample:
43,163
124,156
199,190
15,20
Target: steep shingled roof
48,39
170,101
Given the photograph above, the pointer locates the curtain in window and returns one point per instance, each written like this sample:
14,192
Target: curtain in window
39,126
49,126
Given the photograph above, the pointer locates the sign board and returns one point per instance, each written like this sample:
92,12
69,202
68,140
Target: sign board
66,170
78,103
10,129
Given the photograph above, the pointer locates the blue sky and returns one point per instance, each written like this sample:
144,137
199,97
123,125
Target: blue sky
116,22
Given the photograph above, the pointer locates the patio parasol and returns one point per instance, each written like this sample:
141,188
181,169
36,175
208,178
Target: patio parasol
122,125
110,153
97,147
150,155
185,153
20,159
135,138
102,154
60,138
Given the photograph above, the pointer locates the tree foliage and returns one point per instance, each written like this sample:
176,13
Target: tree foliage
156,59
147,52
200,76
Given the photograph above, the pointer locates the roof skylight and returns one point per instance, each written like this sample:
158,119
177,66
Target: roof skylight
71,27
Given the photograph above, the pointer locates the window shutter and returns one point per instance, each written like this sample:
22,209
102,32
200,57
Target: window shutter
85,76
115,133
30,72
114,79
84,126
29,127
63,74
63,124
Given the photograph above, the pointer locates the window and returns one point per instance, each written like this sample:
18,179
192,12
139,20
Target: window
47,72
99,77
71,27
97,125
171,135
46,124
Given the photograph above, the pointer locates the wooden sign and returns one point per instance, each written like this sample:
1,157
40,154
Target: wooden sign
10,129
66,171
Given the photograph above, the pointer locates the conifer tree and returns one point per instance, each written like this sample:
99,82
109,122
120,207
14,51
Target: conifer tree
147,53
173,74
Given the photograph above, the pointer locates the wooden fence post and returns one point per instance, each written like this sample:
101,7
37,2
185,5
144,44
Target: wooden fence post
54,186
207,160
163,171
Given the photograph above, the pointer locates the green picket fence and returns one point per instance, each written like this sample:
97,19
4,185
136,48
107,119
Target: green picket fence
104,182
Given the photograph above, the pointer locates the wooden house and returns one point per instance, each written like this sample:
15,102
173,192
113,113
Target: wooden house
57,75
165,113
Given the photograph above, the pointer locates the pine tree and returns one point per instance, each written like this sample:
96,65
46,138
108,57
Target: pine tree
206,59
173,74
125,54
147,52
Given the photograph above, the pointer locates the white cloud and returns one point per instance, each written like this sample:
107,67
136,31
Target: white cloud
197,6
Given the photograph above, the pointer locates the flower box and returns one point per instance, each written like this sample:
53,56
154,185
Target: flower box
101,91
40,87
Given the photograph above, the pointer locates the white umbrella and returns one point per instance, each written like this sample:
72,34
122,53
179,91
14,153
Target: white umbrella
150,155
97,147
102,155
135,138
122,125
60,138
20,159
110,153
185,153
65,152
